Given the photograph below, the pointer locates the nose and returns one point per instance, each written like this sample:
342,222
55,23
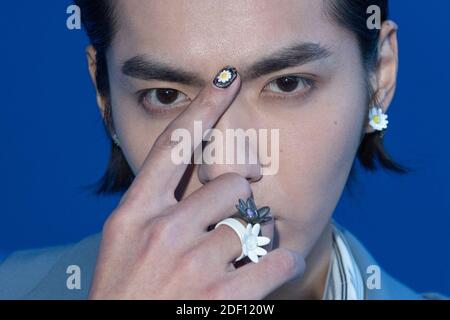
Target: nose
232,146
208,172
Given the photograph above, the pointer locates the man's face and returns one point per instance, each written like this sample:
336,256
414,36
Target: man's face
319,111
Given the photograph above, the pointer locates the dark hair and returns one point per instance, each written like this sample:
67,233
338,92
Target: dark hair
99,20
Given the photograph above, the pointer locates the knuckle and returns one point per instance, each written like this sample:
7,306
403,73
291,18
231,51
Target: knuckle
287,262
191,262
217,291
131,196
118,226
128,203
161,229
239,182
113,223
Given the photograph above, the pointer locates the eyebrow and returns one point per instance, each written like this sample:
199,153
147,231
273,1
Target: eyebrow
292,56
145,68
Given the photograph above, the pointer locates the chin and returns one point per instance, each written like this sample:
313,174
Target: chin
293,234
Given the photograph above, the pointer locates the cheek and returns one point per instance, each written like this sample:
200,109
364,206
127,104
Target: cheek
315,160
317,154
325,151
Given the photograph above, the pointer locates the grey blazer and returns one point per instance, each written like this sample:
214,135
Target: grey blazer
42,274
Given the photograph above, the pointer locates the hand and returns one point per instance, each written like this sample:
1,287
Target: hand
154,247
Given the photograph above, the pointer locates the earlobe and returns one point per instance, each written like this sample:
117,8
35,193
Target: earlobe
91,55
386,70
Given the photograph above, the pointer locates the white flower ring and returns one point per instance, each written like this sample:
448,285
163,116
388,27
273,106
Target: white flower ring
251,242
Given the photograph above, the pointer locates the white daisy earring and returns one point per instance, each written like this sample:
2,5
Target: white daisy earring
378,119
115,139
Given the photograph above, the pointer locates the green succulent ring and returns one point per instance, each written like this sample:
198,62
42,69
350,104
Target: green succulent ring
251,214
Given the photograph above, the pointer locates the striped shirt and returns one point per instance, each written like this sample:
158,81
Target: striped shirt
344,280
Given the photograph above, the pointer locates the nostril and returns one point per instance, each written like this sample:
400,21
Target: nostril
208,172
254,178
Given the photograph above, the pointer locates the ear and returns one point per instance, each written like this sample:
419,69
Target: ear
91,55
385,77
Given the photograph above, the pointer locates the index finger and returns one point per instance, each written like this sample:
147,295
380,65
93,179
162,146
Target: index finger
159,173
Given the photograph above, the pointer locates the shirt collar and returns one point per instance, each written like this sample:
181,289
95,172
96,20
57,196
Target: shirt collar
344,280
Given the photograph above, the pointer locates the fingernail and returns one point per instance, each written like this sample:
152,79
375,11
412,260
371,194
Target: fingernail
225,77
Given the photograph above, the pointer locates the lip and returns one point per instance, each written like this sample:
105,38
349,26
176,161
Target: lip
268,230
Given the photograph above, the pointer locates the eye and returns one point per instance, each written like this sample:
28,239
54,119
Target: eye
289,84
158,99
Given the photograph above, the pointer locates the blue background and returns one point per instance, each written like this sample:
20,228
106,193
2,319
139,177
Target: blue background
53,144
